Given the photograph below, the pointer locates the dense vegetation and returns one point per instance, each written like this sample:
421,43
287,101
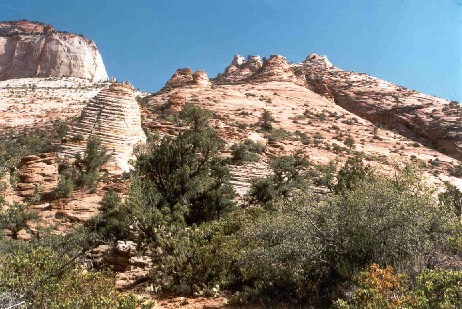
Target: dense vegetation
367,241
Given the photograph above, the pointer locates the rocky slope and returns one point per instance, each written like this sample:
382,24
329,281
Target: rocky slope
35,102
31,49
426,119
420,117
319,106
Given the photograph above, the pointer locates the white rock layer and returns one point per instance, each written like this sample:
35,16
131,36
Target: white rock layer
113,116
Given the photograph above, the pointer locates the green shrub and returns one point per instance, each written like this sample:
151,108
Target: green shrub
352,173
188,171
265,121
84,172
15,219
389,221
114,221
288,174
280,259
247,151
66,185
455,171
277,134
440,289
42,279
310,245
382,288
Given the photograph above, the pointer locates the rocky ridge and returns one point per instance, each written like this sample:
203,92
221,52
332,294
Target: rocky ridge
426,119
31,49
304,99
114,116
420,117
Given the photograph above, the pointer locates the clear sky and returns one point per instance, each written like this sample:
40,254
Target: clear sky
413,43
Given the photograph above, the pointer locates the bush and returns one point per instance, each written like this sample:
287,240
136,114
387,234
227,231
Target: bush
66,185
277,134
440,288
247,151
280,259
15,219
42,279
353,172
114,221
85,171
382,288
455,171
187,170
389,221
287,175
379,288
265,121
310,245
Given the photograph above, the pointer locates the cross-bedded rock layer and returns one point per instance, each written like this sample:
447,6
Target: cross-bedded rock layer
113,116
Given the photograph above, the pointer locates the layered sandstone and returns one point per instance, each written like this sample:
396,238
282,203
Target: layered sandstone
113,116
275,68
37,102
240,69
38,174
185,77
31,49
426,119
305,103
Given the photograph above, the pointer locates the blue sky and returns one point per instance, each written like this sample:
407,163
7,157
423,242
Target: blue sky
414,43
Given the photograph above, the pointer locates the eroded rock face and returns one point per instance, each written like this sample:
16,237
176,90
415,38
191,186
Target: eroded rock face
201,78
240,69
176,101
180,78
275,68
38,174
423,118
185,76
113,116
30,49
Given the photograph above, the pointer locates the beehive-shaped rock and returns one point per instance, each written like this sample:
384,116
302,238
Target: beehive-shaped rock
113,116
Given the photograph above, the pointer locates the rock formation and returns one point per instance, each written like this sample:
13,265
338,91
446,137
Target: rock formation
320,106
31,49
424,118
240,69
38,174
201,78
176,101
185,76
113,116
275,68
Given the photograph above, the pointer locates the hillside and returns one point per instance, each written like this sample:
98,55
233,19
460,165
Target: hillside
332,175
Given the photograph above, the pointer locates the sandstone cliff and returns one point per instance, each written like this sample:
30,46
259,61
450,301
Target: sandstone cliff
429,120
30,49
433,121
113,116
